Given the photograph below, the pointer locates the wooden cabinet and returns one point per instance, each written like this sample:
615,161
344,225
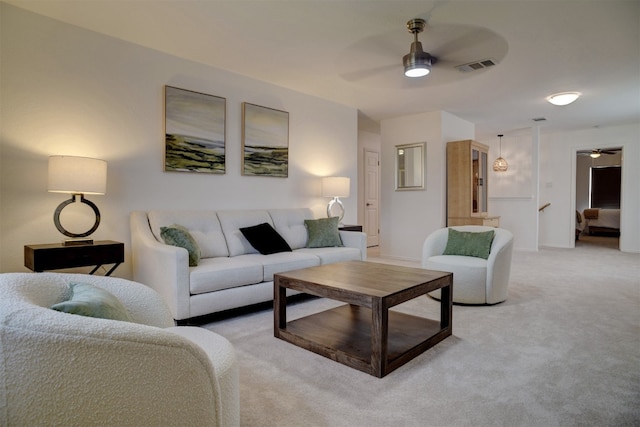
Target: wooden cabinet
467,184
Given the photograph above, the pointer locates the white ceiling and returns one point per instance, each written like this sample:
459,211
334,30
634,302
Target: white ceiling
350,51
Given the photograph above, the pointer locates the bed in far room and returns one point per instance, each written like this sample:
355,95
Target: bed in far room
602,221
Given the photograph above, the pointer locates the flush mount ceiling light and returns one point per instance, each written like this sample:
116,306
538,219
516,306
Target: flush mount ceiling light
564,98
417,63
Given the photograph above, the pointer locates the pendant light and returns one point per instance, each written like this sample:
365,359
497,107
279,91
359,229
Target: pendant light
500,164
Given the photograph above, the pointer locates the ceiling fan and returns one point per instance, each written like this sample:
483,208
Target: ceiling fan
453,50
595,153
417,63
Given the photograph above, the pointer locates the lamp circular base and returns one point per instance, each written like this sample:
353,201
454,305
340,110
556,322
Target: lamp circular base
337,203
56,216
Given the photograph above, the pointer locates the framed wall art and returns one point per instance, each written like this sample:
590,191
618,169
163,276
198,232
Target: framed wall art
265,141
194,131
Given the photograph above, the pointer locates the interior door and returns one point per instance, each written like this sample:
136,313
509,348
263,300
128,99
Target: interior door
371,196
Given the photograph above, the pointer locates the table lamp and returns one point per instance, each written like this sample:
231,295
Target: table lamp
77,176
335,187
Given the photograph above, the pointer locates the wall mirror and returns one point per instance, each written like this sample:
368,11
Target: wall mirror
410,166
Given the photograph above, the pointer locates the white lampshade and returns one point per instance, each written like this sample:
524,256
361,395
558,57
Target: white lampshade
77,175
335,186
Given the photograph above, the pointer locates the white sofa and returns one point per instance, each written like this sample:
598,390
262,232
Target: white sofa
475,280
231,273
66,369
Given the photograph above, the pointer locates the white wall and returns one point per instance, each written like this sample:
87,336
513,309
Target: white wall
557,178
65,90
408,217
513,194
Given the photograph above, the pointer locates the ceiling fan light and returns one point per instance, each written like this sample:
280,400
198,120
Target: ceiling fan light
595,154
564,98
417,63
416,71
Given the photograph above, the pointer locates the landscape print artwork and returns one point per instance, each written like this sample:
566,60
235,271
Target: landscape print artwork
265,141
194,131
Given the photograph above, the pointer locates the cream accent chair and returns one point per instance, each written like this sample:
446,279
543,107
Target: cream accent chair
66,369
475,280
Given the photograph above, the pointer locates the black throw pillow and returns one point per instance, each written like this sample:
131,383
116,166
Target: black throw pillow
265,239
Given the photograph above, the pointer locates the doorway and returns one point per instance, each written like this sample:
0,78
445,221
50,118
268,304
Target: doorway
372,197
598,194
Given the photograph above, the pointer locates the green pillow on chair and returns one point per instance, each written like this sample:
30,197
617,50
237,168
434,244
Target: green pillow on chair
476,244
88,300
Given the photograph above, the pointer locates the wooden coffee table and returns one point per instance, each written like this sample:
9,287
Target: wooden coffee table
364,334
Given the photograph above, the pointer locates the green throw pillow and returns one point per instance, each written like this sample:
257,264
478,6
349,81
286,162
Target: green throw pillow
477,244
323,232
88,300
177,235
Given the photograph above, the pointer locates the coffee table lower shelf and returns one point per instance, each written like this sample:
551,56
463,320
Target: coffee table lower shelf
343,334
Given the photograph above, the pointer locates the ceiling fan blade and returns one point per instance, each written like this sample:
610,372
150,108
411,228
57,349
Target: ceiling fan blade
354,76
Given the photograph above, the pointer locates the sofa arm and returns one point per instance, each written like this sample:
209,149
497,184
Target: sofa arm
163,268
355,239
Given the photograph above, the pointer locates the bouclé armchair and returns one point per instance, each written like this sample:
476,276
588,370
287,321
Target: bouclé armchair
67,369
475,280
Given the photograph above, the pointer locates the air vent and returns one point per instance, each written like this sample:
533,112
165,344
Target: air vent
477,65
539,119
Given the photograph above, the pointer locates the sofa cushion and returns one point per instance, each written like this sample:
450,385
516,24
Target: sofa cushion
331,255
281,262
473,244
214,274
202,225
323,232
289,223
232,221
265,239
88,300
177,235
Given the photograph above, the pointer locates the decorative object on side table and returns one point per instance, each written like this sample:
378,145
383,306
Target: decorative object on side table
56,256
335,187
77,176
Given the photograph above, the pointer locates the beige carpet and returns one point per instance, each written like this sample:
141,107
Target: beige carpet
563,350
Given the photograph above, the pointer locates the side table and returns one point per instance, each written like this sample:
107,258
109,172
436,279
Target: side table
350,227
55,256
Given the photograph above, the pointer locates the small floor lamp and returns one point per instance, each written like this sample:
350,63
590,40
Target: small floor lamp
77,176
336,187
